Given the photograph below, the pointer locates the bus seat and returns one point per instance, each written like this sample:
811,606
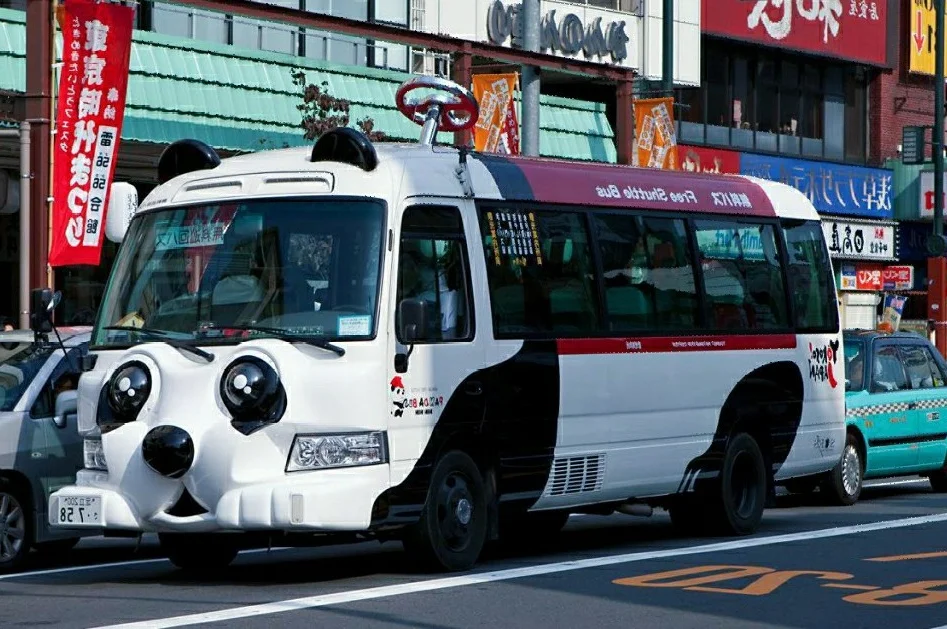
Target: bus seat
628,306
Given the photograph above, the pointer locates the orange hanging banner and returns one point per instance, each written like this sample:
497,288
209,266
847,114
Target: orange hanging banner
497,129
655,139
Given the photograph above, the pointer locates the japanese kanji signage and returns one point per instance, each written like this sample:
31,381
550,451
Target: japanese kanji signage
860,240
655,137
497,129
849,29
832,188
91,104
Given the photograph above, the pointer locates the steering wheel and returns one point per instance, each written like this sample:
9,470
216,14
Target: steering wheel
454,106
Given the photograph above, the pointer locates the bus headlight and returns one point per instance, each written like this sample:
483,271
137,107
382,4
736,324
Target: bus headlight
316,452
94,455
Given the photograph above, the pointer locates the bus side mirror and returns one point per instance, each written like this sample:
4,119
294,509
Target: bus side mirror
123,203
42,304
412,317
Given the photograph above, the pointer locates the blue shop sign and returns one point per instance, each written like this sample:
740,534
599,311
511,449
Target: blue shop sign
832,188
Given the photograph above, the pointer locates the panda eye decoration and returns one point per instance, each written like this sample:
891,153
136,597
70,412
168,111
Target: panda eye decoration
253,394
124,395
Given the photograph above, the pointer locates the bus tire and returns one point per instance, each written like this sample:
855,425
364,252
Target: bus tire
844,483
738,496
452,530
198,553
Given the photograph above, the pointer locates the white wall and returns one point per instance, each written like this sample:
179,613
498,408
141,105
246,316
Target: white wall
467,19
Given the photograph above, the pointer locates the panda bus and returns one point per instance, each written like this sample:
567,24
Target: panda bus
423,343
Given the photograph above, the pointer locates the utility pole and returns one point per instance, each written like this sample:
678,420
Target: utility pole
938,139
529,17
667,57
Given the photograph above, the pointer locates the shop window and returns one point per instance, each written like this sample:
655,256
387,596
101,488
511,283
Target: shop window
811,114
540,273
719,114
392,12
856,113
743,279
810,281
741,104
789,101
648,276
767,105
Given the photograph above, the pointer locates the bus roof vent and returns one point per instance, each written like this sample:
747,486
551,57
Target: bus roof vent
186,156
345,145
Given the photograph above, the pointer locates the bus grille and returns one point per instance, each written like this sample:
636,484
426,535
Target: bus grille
576,475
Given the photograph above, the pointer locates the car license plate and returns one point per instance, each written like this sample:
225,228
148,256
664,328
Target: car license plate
79,510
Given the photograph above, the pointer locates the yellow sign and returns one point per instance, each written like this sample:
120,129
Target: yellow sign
655,139
921,39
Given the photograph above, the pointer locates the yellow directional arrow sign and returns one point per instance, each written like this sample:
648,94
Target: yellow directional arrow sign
921,42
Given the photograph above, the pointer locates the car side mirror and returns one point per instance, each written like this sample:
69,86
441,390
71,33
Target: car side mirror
43,302
412,317
67,403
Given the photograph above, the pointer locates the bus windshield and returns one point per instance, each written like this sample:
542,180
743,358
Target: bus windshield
308,267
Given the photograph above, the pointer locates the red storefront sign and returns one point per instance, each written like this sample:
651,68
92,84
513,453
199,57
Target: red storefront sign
898,277
91,105
848,29
706,160
869,277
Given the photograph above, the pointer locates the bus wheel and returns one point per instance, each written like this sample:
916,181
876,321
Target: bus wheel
844,484
200,553
739,495
452,529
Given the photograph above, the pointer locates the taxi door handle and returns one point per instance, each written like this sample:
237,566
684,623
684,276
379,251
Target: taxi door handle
912,406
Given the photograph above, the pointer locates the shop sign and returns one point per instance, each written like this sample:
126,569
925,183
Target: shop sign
926,200
900,277
860,240
706,160
832,188
862,277
848,29
912,241
566,34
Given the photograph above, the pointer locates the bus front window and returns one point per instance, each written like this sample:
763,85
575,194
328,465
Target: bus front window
308,267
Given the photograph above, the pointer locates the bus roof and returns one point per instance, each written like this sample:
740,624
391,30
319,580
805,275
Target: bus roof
414,170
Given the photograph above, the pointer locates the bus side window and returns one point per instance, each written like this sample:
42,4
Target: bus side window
540,272
433,267
742,275
810,278
648,275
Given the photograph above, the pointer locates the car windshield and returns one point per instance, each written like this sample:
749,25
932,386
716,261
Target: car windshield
19,364
854,363
293,267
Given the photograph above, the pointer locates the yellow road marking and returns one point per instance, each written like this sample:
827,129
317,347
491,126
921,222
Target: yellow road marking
851,586
933,555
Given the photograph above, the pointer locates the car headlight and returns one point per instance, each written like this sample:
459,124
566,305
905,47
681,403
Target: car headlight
94,455
252,392
124,395
316,452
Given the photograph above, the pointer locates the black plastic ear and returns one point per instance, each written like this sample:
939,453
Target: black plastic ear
348,146
186,156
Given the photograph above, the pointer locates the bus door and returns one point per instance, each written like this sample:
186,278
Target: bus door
432,272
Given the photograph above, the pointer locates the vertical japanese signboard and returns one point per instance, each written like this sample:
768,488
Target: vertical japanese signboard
921,24
91,105
655,138
497,128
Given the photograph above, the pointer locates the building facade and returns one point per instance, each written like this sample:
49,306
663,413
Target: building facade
787,93
228,80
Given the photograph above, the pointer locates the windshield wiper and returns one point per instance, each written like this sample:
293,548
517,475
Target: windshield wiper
161,335
289,337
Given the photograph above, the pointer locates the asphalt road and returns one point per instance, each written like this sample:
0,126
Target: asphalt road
881,563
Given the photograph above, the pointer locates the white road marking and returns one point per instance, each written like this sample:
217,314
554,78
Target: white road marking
117,564
338,598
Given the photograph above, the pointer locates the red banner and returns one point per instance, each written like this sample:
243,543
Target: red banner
708,160
855,30
97,40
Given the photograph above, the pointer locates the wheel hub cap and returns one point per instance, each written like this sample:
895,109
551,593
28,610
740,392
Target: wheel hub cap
464,511
12,527
851,470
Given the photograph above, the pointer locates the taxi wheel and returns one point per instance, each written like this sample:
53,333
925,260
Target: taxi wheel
16,528
452,530
844,484
938,479
198,553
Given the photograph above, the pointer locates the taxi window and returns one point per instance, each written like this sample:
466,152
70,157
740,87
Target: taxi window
854,365
888,371
918,362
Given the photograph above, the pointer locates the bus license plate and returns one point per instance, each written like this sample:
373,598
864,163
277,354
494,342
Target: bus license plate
80,510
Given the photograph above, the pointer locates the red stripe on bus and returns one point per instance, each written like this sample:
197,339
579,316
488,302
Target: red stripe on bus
665,344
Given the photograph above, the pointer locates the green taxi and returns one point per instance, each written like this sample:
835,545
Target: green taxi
896,410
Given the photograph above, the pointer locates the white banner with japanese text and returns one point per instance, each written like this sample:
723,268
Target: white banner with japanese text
860,240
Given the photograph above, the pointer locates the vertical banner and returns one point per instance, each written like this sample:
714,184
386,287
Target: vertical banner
497,129
655,138
97,38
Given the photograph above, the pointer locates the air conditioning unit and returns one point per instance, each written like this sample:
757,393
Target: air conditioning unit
9,192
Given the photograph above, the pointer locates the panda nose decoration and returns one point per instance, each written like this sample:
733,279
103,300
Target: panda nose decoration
168,450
